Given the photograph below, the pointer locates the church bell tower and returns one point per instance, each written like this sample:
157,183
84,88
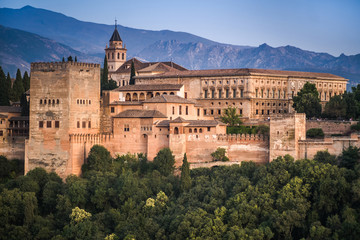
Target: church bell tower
116,52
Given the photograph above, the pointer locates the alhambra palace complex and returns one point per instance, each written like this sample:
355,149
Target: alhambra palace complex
169,106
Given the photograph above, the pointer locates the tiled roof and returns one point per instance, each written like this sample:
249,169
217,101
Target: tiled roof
3,116
126,103
241,72
115,36
126,67
168,99
10,109
163,123
204,123
158,67
19,118
178,120
149,87
134,113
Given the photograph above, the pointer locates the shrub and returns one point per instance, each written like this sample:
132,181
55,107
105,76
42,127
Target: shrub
315,133
219,155
263,129
355,127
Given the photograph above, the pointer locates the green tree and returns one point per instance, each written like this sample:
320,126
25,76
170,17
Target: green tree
104,75
75,59
220,155
336,107
63,59
25,106
18,88
4,89
99,159
164,162
230,117
325,157
349,157
70,59
132,74
26,81
185,178
307,101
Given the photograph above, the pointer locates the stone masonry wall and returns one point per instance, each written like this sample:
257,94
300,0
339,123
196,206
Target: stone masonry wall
331,127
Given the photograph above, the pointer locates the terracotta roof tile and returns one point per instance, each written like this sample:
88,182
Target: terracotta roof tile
126,103
150,87
19,118
126,67
241,72
134,113
10,109
168,99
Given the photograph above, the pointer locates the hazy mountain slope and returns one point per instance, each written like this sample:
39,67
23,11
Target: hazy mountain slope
85,36
20,48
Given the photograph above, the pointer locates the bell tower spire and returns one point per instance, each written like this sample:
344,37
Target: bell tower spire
116,52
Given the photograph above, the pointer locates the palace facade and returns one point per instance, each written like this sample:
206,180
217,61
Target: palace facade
169,106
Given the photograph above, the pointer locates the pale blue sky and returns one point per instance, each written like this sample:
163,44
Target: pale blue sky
331,26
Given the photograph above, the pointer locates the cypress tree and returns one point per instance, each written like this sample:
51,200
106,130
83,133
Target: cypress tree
26,81
75,59
9,87
18,87
4,91
25,107
104,75
132,74
185,175
70,59
63,60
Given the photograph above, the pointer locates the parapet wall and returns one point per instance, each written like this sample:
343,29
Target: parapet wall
239,147
331,127
13,147
44,66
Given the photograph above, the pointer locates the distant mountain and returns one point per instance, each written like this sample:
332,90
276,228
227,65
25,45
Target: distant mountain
186,49
20,48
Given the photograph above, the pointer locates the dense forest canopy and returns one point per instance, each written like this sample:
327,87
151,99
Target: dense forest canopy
132,198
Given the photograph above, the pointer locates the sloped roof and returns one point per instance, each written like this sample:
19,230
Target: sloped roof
137,113
178,120
191,123
126,103
10,109
115,36
242,72
168,99
126,67
19,118
158,67
3,116
149,87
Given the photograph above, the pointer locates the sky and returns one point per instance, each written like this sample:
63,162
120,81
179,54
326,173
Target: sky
331,26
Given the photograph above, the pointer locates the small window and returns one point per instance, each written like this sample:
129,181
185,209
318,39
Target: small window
40,101
53,101
208,129
200,130
198,112
83,124
57,124
187,110
48,124
212,112
179,110
112,109
173,110
89,124
195,130
78,124
186,95
1,133
219,111
89,101
41,124
77,101
204,111
190,130
57,101
44,101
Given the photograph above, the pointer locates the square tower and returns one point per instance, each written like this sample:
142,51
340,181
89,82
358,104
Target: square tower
64,99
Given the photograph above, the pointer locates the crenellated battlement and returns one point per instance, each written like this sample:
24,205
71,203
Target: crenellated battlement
97,138
52,66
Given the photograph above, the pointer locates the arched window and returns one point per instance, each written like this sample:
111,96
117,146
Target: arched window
157,94
172,93
123,56
135,97
53,101
195,130
142,97
57,101
190,130
40,101
164,93
128,97
118,57
200,130
176,130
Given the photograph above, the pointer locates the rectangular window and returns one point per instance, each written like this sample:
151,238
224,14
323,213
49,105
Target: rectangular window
57,124
89,124
41,124
256,92
112,109
241,92
227,93
279,94
208,129
186,95
187,110
262,112
212,93
173,110
220,93
257,111
179,110
83,124
78,124
204,112
262,93
284,94
234,93
48,124
212,112
268,93
198,112
240,111
219,111
126,128
205,93
1,133
273,93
